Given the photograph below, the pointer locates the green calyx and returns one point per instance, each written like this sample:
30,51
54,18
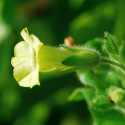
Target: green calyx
83,59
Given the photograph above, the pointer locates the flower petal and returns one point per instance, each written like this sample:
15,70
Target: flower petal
22,49
26,67
30,80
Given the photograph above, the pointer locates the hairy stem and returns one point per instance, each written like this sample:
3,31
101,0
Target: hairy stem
114,64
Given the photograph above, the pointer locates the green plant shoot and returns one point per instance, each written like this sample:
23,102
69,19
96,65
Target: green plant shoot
100,72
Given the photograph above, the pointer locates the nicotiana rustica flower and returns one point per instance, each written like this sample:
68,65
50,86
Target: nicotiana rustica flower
31,57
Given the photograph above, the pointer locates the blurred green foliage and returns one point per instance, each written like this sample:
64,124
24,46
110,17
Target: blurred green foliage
52,21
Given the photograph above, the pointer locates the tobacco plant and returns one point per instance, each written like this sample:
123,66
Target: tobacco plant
99,65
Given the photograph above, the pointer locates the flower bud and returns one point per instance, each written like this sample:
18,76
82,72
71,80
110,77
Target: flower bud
115,94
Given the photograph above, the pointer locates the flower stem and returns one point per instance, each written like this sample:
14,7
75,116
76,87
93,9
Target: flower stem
114,64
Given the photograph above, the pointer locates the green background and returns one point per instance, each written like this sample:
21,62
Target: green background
51,21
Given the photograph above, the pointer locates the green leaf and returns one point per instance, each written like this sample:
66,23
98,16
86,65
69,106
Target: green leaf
113,116
89,94
77,95
89,78
111,46
122,51
102,103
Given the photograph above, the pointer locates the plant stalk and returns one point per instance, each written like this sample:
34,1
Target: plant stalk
114,64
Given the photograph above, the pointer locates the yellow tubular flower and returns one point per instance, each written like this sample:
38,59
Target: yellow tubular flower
32,57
